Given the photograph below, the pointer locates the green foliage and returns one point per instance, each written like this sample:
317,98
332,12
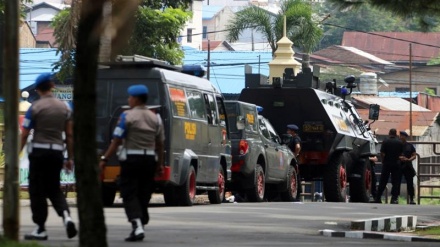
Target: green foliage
160,43
425,11
363,18
430,91
301,29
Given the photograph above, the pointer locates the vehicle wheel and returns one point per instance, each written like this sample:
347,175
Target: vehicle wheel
187,192
169,196
289,195
335,179
361,181
217,196
256,194
108,194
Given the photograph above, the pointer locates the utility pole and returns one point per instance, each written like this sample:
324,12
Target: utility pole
208,67
11,223
410,92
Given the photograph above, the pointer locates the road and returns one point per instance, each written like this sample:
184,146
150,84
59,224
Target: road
240,224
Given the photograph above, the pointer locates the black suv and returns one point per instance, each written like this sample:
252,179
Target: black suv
262,166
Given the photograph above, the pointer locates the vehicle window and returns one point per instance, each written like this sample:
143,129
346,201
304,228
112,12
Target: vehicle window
211,109
196,104
264,129
178,102
273,134
102,102
251,118
221,111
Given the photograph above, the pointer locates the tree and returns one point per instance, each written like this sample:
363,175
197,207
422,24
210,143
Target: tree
301,28
146,39
365,18
426,11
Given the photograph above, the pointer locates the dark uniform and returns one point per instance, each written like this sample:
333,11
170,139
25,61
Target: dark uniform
409,151
292,130
48,118
141,130
390,151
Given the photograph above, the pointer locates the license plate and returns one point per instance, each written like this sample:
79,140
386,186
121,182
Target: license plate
313,127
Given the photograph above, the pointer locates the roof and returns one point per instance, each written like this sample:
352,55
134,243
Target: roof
387,103
34,61
394,46
421,121
227,67
349,55
209,11
46,35
212,44
57,6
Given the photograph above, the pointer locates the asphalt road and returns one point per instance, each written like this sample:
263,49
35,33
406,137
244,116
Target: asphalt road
241,224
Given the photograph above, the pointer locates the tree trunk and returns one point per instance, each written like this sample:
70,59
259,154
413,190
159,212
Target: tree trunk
305,60
92,229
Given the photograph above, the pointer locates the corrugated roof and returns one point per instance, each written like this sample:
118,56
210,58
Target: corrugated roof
387,103
421,121
350,55
34,61
209,11
394,46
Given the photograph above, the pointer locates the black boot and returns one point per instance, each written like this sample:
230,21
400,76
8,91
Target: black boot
137,234
411,200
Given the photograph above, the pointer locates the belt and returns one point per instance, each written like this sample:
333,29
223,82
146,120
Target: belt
52,146
141,152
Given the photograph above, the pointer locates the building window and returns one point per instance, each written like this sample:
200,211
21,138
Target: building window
205,32
402,89
189,33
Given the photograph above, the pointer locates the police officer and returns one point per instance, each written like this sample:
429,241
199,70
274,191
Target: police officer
295,146
49,118
390,151
141,134
408,155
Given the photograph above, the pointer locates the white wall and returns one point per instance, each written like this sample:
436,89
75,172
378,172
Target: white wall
196,25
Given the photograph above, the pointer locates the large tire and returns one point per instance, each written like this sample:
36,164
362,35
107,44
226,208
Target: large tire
361,181
108,194
169,196
335,179
217,196
256,193
289,195
186,193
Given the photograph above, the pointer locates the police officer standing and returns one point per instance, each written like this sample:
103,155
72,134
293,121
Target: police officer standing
409,154
141,134
295,146
390,151
49,118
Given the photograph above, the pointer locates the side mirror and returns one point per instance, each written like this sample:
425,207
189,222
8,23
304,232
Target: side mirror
374,112
286,138
241,123
276,139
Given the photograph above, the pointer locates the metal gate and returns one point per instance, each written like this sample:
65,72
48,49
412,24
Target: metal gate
426,176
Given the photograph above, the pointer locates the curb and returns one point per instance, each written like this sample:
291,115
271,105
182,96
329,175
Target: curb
375,235
395,223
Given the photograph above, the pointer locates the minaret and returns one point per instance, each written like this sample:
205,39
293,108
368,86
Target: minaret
283,58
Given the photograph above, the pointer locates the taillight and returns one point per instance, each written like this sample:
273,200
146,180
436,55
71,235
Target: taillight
236,166
244,146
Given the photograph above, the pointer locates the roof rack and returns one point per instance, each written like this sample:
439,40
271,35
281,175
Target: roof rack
139,61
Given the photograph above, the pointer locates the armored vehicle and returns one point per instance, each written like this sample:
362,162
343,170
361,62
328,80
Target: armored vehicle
262,166
197,150
336,143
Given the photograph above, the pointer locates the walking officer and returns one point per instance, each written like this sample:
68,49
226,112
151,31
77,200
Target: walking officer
48,117
409,154
141,134
295,147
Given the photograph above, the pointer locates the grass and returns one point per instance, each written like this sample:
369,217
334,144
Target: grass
429,232
8,243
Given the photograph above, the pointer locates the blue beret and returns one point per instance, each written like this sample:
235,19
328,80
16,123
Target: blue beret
42,78
292,127
403,133
137,90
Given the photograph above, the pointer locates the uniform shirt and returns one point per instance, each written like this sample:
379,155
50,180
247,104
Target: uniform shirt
392,148
48,117
408,149
139,127
295,140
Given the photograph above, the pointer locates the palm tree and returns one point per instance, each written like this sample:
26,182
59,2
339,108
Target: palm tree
301,28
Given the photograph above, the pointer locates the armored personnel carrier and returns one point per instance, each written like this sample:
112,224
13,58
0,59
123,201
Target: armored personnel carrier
336,142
